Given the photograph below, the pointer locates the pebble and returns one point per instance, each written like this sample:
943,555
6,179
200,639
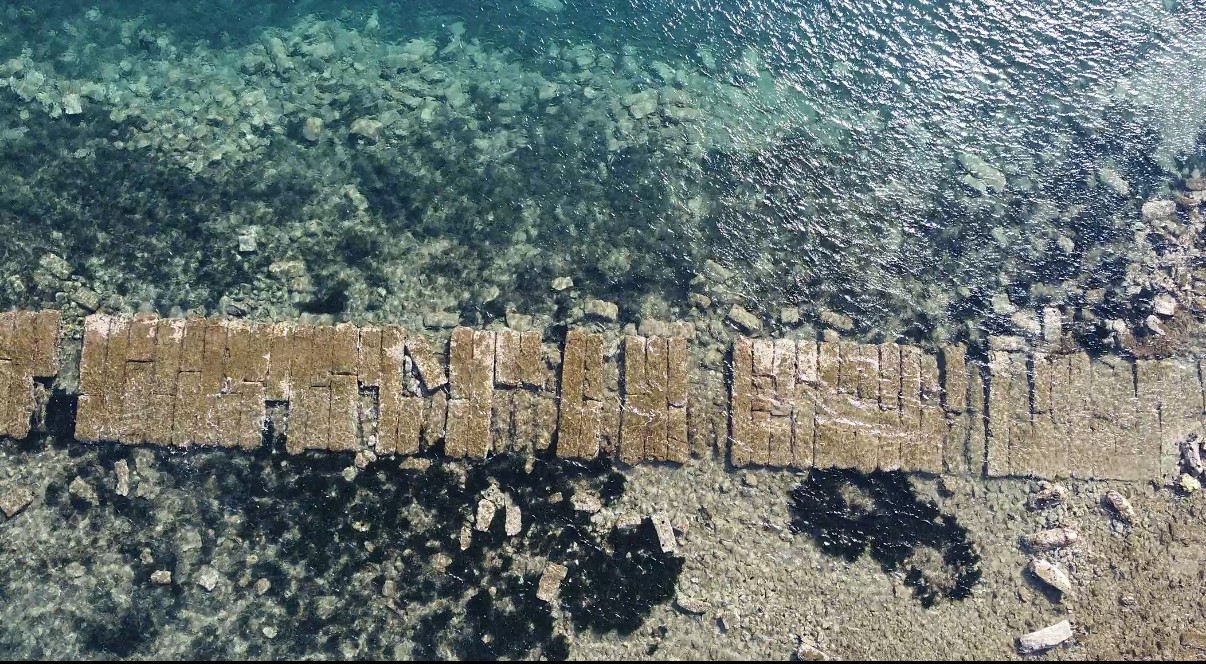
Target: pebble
699,300
83,490
586,502
56,265
549,587
789,315
87,299
440,320
1121,506
808,652
839,322
1159,210
562,283
261,586
269,631
312,129
75,570
1052,324
744,320
14,500
1054,538
161,577
513,522
1045,638
1052,575
689,605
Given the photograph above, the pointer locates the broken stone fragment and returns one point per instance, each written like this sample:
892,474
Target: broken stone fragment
1048,495
208,578
513,521
665,532
1164,305
1188,484
1026,323
809,652
261,586
586,502
122,469
1191,457
1006,343
56,265
1054,538
1051,575
839,322
744,320
1121,507
789,315
485,515
161,577
14,500
549,587
562,283
690,605
82,490
312,129
87,299
608,311
1045,638
1159,210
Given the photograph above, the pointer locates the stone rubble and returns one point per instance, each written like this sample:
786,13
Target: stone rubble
1045,639
1050,574
1053,538
1121,507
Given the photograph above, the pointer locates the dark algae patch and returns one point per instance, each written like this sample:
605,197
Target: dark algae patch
371,566
849,514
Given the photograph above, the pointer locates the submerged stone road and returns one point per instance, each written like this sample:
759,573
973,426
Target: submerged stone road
791,403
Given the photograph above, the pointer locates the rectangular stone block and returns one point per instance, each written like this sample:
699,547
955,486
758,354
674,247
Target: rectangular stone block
635,417
169,337
188,409
435,414
345,413
741,403
280,359
192,346
657,378
916,451
1001,374
803,425
592,368
310,411
92,361
113,383
345,349
806,362
251,416
954,375
213,359
507,367
8,376
368,357
428,367
141,344
531,363
45,360
570,416
131,426
678,365
322,356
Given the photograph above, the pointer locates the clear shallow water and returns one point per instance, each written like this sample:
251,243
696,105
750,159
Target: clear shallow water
899,162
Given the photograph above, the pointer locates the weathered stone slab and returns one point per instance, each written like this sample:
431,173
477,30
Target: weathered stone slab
213,358
169,335
45,360
140,346
8,375
113,382
345,349
310,412
345,414
471,374
188,410
507,367
657,357
741,403
1001,374
571,426
280,358
916,449
131,425
368,357
429,369
635,417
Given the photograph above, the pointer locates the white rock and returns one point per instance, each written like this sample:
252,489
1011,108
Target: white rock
312,129
1159,210
586,502
14,500
1114,180
982,170
122,469
807,652
1121,506
161,577
665,532
743,319
1191,457
1164,304
1045,638
513,521
695,607
609,311
208,578
1052,324
1188,483
485,515
1026,322
549,587
72,104
1051,575
562,283
1054,538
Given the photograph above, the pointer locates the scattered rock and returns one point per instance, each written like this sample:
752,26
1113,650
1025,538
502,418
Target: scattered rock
983,171
513,521
715,272
1164,305
247,243
1193,639
549,587
665,532
688,605
367,128
1188,484
1045,638
208,578
56,265
1054,538
261,586
88,299
1121,507
1114,180
14,500
312,129
417,464
562,283
440,320
75,570
839,322
789,315
1048,495
1152,323
586,502
1159,210
1026,322
608,311
1006,343
699,301
1191,457
122,469
83,490
161,577
1051,575
809,652
485,515
744,320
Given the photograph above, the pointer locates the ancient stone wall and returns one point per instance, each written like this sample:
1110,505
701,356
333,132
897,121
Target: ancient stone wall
790,403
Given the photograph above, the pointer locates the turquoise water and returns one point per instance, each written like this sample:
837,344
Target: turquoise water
901,163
